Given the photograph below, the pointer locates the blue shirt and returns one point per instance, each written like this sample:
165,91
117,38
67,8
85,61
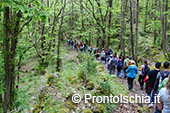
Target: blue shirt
132,71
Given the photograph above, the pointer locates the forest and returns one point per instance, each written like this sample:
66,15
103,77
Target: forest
39,72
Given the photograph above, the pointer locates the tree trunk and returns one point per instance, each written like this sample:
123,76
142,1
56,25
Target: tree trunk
59,39
136,45
109,25
131,29
146,12
122,28
7,60
155,33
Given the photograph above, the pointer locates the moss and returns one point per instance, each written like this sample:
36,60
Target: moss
72,79
99,109
143,109
64,110
81,75
70,105
38,108
100,68
87,110
43,93
90,85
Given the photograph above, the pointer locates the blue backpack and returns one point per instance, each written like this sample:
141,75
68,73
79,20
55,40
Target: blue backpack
120,64
164,75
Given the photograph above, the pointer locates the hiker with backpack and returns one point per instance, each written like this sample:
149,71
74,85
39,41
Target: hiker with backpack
71,42
110,51
123,60
81,46
90,49
68,42
85,46
144,71
119,67
108,57
160,77
132,71
75,45
102,57
125,65
113,63
150,81
164,99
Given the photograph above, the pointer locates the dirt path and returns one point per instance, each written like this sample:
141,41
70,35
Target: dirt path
136,91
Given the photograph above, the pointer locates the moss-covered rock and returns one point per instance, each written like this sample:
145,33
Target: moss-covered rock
44,93
81,75
72,79
143,109
87,110
71,105
90,85
99,109
38,108
64,110
100,68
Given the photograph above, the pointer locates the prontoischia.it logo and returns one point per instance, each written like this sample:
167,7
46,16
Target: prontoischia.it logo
76,98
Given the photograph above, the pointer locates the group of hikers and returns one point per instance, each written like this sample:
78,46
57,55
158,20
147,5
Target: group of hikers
156,82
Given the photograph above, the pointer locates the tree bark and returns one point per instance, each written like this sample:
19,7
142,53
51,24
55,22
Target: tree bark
146,12
122,28
59,39
155,33
136,46
109,25
7,60
131,29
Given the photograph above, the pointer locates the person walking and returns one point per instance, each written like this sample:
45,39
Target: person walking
113,63
145,68
132,71
125,65
160,77
68,42
119,67
150,81
164,101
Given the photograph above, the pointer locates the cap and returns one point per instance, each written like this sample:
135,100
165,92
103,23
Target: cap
132,62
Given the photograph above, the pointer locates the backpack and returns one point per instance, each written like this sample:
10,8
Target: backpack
126,64
145,71
129,63
163,75
120,64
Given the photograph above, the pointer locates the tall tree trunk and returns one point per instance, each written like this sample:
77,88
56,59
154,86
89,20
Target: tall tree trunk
122,28
131,29
146,14
155,33
109,25
59,38
164,28
7,59
136,45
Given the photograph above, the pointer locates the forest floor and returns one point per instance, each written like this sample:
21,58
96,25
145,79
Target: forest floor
120,108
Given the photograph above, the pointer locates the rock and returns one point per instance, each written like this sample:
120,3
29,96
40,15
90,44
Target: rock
70,105
100,68
99,109
143,109
72,79
87,110
81,75
64,110
90,85
43,93
38,108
